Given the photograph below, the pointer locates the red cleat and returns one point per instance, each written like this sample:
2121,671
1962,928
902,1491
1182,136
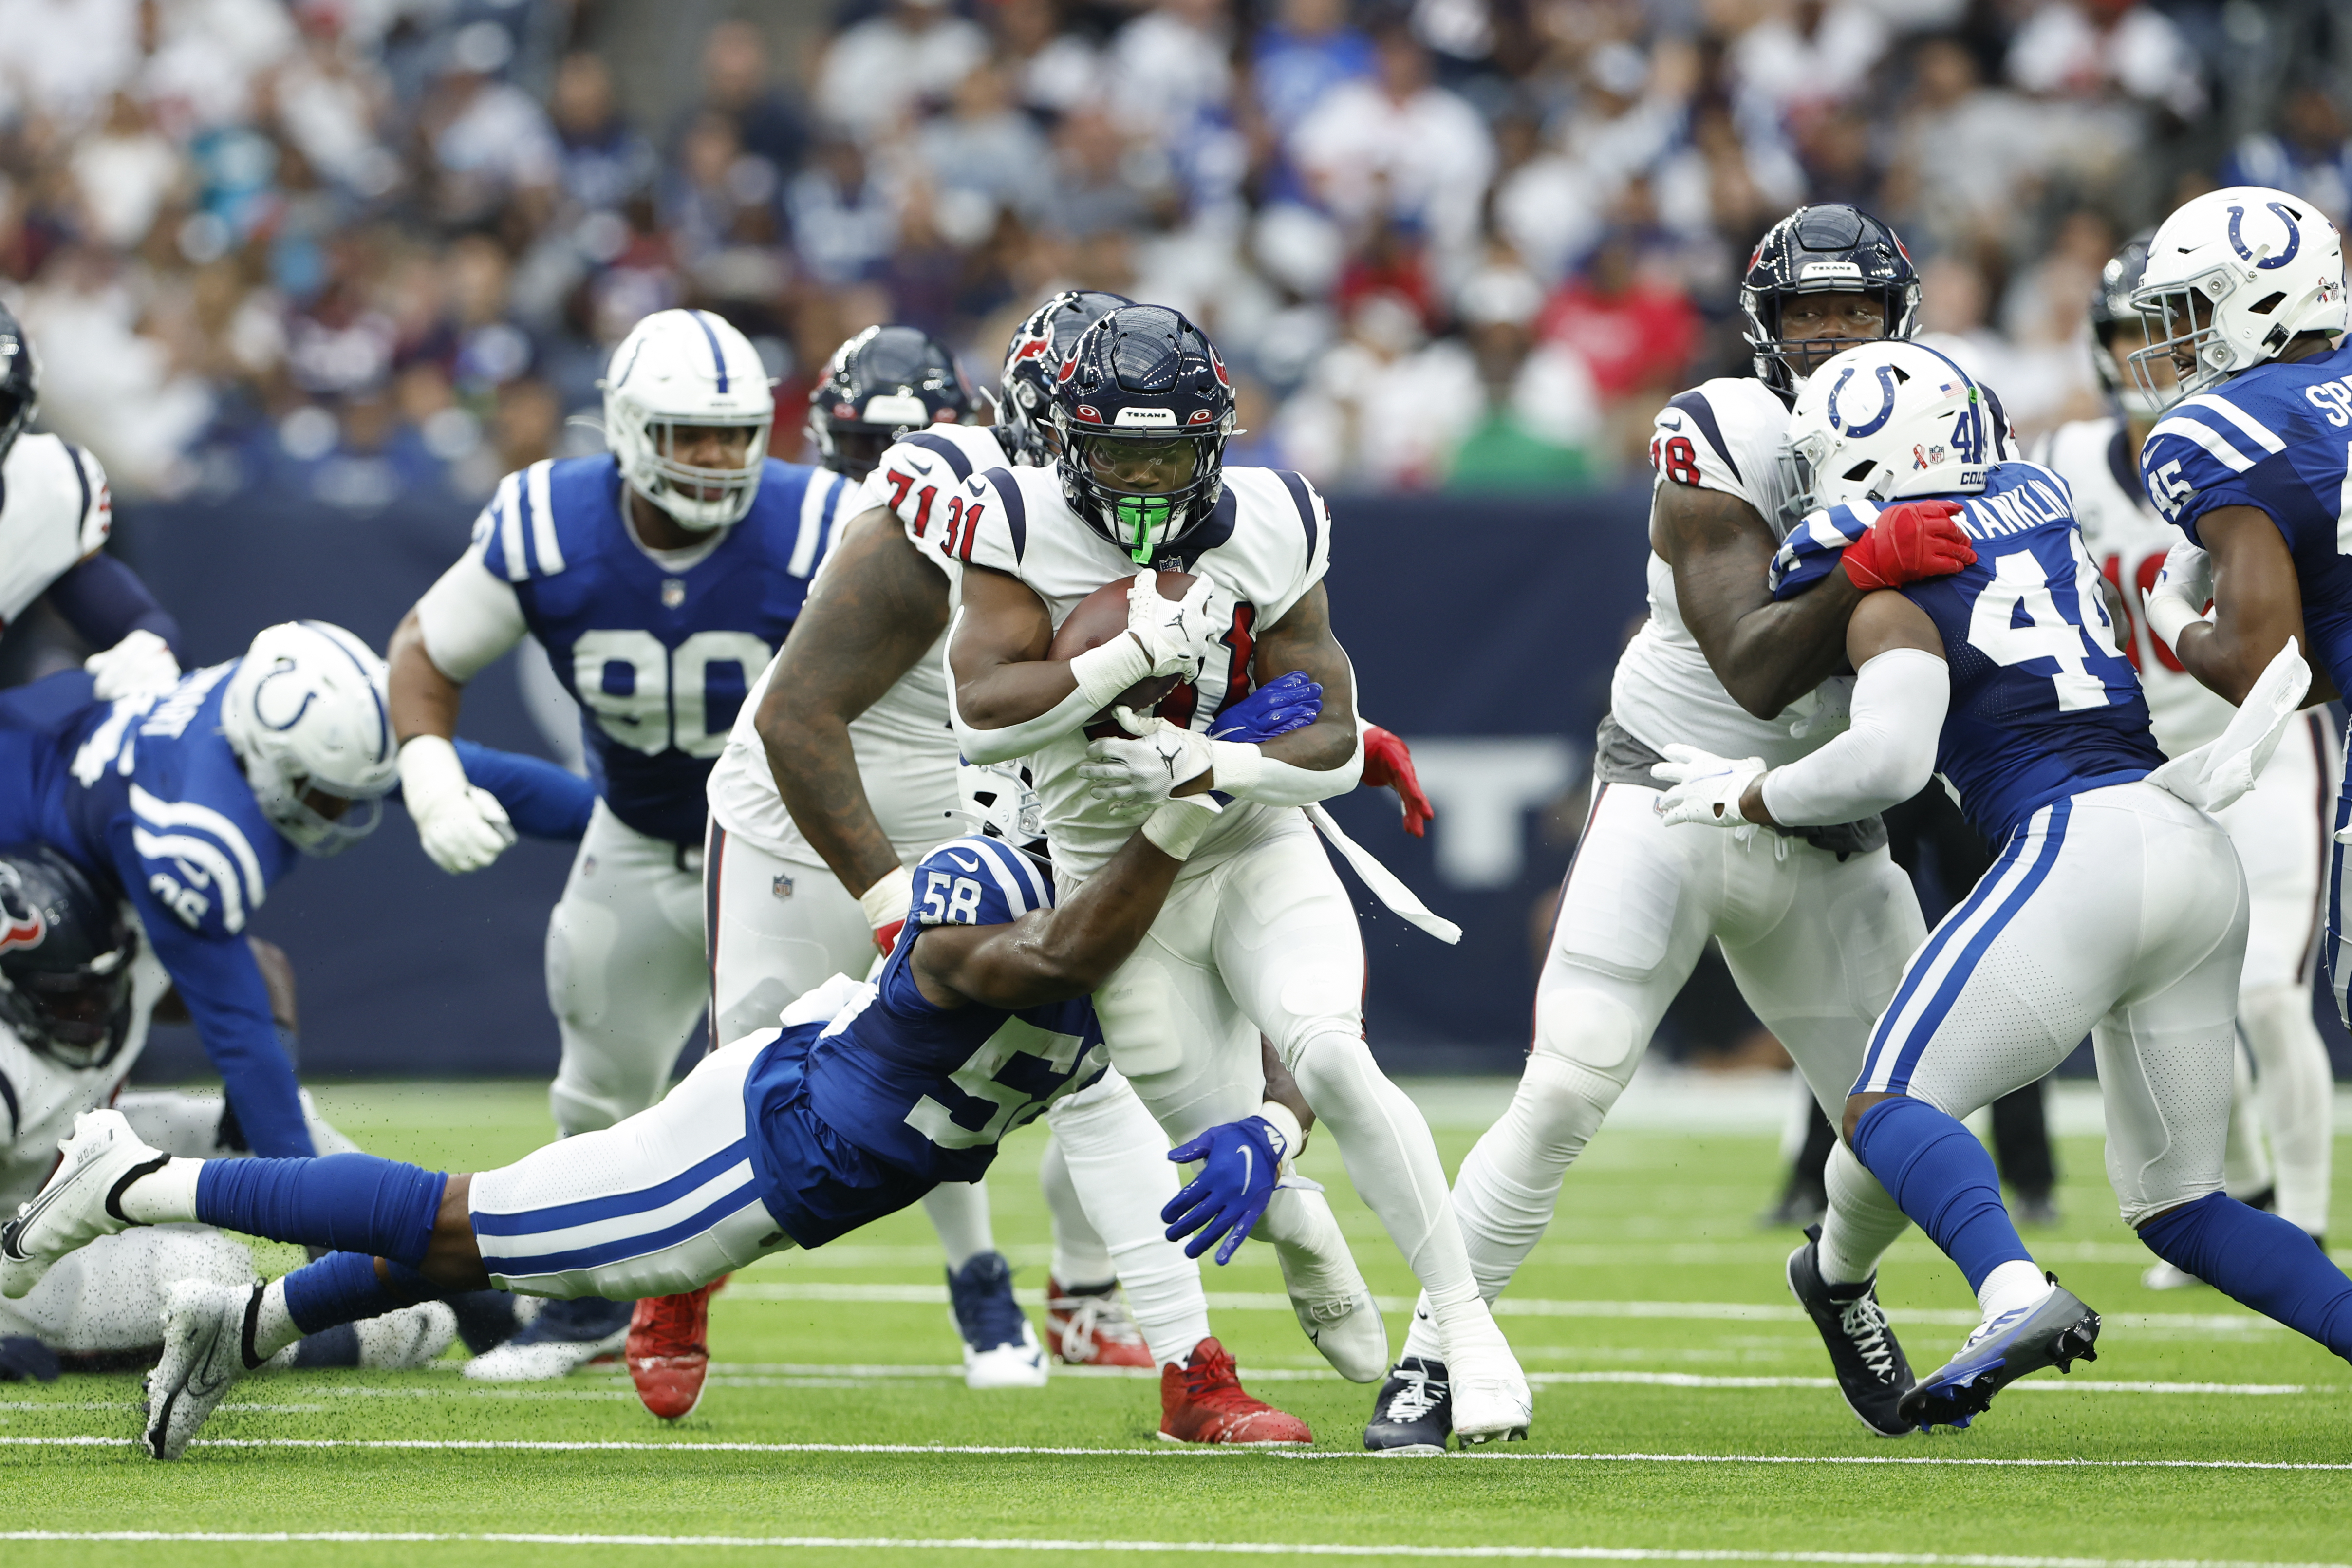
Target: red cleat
1203,1401
1093,1329
670,1351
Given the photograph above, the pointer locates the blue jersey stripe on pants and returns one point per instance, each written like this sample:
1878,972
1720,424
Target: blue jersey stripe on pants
563,1217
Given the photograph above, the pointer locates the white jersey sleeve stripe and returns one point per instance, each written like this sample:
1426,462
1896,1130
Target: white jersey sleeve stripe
546,553
508,508
995,855
205,819
2263,435
201,855
817,503
1043,896
2205,435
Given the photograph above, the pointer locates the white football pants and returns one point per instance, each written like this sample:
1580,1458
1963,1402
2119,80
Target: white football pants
2119,913
2281,832
626,973
780,928
1816,945
109,1295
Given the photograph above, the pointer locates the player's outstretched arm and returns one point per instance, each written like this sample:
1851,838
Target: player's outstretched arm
875,608
2257,606
461,826
1053,955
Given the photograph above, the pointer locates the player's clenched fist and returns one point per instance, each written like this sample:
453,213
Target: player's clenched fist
1143,772
1175,633
462,826
1907,543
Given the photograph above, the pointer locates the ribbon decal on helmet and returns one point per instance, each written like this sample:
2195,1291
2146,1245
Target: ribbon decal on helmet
2266,264
1877,422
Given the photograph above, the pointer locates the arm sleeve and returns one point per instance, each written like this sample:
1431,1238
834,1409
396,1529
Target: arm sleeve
469,617
540,798
220,982
104,602
1882,759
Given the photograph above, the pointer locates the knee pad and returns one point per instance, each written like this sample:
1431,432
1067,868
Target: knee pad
1559,1105
1590,1031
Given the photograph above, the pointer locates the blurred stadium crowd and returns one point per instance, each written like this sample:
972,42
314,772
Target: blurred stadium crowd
365,248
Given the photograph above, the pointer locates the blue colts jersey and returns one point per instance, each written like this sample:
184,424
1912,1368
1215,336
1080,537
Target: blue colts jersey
659,660
2044,705
2279,438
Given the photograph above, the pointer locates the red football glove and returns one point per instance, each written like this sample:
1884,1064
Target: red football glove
887,937
1909,542
1388,764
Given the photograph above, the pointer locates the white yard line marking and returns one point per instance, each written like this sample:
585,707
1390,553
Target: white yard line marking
1172,1450
1247,1548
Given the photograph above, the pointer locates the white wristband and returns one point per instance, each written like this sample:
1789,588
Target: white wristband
1285,1127
1102,673
2169,615
888,900
1176,826
1244,771
430,771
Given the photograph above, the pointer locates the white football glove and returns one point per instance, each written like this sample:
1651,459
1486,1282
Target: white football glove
1706,788
2182,591
1141,774
1175,633
462,826
140,663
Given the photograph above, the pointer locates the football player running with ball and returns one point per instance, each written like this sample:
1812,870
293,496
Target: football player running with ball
2116,906
2280,828
660,578
1815,924
1258,936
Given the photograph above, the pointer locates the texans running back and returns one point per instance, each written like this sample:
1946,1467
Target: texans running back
660,579
1258,937
2280,828
790,1137
2116,906
1816,924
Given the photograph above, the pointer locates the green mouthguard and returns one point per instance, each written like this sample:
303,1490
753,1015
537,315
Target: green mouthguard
1140,516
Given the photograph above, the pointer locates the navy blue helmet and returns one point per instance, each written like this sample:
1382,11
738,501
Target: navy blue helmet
1828,249
1142,408
1039,346
20,381
65,959
881,385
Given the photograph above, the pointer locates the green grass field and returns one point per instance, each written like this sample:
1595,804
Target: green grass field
1679,1413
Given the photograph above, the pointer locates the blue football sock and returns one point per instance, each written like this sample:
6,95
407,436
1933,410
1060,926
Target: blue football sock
349,1202
344,1287
1938,1173
2270,1264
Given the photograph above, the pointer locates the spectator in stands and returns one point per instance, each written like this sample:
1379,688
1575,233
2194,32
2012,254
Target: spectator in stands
1052,71
2309,154
1399,146
844,222
738,83
1305,51
604,161
1541,417
878,72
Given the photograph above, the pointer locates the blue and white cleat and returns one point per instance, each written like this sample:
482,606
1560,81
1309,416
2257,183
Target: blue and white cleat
565,1336
81,1202
2056,1332
1000,1348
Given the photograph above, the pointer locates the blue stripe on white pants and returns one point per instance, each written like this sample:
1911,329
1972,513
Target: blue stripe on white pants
660,1203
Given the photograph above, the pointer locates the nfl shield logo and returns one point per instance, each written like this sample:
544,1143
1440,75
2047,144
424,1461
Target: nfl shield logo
782,887
672,593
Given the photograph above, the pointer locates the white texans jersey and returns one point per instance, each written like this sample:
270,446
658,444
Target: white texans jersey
2129,540
54,510
40,1096
905,744
1266,542
1725,435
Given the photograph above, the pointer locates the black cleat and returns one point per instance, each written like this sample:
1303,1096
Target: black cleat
1871,1369
1414,1412
2055,1332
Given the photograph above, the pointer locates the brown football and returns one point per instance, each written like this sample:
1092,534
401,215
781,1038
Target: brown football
1100,616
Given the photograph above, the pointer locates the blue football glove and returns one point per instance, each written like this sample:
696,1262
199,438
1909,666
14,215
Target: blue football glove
1278,708
1237,1182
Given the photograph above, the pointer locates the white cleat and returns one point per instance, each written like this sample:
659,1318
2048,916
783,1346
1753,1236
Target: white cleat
204,1356
1021,1364
410,1338
2162,1276
1349,1333
78,1205
1491,1399
565,1335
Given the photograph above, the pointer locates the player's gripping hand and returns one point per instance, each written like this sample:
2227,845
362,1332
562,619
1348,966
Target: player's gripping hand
462,826
1175,633
1239,1164
1140,773
1280,706
2181,592
1388,764
1706,788
886,904
140,663
1909,542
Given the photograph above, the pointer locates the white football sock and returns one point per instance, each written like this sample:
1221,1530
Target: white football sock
273,1325
959,1212
2297,1096
1116,1159
2245,1159
1309,1245
2011,1285
1079,1256
166,1197
1861,1222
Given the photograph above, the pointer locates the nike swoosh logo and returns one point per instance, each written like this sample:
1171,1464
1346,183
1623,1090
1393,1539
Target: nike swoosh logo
1249,1165
918,464
967,865
14,1239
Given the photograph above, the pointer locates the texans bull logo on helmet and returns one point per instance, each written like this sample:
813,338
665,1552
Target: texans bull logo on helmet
21,923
